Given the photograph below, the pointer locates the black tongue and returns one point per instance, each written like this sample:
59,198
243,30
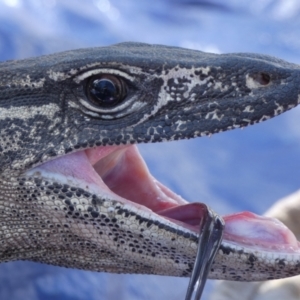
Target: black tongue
189,213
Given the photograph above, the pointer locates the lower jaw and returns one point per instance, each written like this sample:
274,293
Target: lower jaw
110,171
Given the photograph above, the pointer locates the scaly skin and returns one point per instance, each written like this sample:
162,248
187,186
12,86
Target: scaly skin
172,94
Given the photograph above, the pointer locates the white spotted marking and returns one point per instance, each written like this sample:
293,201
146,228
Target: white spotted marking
278,110
219,86
179,124
57,76
264,118
29,111
234,126
166,95
73,104
249,109
213,115
28,83
205,70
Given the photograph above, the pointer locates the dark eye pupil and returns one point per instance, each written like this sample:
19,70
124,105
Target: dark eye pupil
105,92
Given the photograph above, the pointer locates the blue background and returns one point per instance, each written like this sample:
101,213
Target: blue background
238,170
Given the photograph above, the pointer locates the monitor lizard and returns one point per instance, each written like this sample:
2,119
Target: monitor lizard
74,190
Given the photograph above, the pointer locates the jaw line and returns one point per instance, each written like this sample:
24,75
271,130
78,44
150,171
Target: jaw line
119,174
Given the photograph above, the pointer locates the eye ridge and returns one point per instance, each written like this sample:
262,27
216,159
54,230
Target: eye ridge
106,90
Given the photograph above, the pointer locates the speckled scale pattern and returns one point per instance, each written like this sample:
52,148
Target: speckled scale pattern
68,226
173,93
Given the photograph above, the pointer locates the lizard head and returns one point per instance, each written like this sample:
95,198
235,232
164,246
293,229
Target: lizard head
75,190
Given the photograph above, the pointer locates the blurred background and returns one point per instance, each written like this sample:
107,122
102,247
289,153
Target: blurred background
234,171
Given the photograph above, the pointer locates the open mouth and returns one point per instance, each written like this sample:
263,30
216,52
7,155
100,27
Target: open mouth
120,173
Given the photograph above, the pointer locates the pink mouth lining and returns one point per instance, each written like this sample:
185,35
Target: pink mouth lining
121,173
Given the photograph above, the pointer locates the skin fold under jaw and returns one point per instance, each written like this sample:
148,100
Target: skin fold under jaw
75,191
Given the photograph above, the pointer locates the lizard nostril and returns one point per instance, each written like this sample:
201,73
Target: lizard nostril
262,78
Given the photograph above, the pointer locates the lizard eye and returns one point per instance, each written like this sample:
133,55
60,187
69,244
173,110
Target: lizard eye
107,93
106,90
